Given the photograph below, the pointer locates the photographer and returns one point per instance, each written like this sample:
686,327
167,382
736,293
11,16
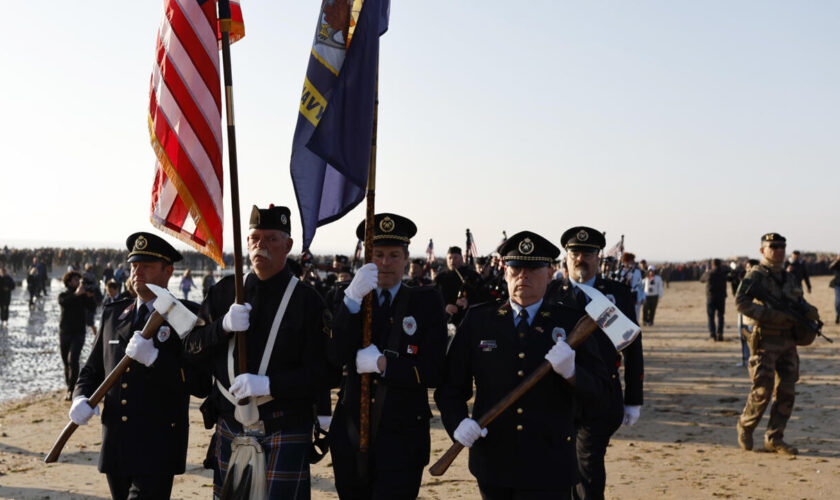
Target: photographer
75,301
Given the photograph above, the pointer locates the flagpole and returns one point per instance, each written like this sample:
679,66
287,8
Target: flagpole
225,22
367,319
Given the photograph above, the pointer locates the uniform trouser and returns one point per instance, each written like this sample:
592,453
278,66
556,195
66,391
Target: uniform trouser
71,350
836,301
649,309
150,487
774,368
493,492
715,307
392,484
4,311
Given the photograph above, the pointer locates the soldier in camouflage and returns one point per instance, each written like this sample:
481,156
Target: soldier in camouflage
773,359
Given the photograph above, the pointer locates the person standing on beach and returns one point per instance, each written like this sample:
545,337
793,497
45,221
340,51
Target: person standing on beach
774,361
404,359
145,420
186,283
7,284
654,290
715,279
835,283
282,320
529,450
75,302
594,429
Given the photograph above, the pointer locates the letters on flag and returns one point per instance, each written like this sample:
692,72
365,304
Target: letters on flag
185,124
332,142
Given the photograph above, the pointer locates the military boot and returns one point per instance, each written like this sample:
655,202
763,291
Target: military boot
745,437
778,446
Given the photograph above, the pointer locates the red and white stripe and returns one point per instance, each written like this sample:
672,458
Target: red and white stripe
185,126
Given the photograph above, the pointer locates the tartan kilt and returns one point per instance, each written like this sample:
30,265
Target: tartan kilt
287,460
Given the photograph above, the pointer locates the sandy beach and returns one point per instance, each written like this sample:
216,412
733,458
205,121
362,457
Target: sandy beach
684,445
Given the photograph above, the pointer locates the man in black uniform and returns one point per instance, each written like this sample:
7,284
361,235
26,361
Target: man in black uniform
529,450
417,274
796,266
715,280
583,245
282,319
460,286
405,359
75,301
145,418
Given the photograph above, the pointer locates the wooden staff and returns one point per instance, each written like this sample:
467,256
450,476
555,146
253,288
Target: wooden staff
583,328
367,305
224,23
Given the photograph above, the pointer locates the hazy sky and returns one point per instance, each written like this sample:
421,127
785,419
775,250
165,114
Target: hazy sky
690,127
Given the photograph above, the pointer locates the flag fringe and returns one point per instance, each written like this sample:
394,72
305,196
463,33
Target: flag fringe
211,249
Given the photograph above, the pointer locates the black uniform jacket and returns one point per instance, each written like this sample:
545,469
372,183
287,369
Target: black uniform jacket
401,438
531,444
145,418
297,366
634,369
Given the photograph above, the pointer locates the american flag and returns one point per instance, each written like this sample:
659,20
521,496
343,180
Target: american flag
616,250
185,125
430,252
472,251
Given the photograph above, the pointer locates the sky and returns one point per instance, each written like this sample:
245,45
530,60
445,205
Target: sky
692,128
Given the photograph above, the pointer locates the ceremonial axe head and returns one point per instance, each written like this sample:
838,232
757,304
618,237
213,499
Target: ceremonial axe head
173,311
619,328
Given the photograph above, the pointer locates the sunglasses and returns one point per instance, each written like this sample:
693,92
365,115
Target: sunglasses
776,246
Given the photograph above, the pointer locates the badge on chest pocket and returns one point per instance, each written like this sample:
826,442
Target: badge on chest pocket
409,325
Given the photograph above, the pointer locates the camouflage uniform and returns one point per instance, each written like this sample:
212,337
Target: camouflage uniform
772,347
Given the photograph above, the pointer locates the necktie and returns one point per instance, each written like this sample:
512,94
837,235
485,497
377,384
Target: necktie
140,319
523,326
386,299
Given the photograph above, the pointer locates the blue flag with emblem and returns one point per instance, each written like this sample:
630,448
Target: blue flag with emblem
332,141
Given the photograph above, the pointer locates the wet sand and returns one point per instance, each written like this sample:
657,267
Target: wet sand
684,445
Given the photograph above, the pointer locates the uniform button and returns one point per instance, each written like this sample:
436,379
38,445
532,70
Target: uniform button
613,375
124,418
521,355
372,400
123,402
521,335
124,385
519,427
172,425
568,438
128,369
520,373
375,381
419,417
519,411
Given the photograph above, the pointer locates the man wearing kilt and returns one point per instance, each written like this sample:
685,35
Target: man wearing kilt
282,320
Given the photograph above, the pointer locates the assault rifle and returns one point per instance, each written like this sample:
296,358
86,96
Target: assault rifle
795,310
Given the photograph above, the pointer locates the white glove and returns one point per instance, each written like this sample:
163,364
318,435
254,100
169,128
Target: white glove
80,410
246,385
236,319
364,281
468,432
562,359
141,350
631,414
367,359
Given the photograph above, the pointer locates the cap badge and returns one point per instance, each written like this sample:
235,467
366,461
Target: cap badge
140,243
409,325
558,334
283,219
770,237
582,235
526,246
386,225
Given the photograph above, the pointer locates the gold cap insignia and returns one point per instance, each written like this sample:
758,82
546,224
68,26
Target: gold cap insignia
386,225
582,235
526,246
140,243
